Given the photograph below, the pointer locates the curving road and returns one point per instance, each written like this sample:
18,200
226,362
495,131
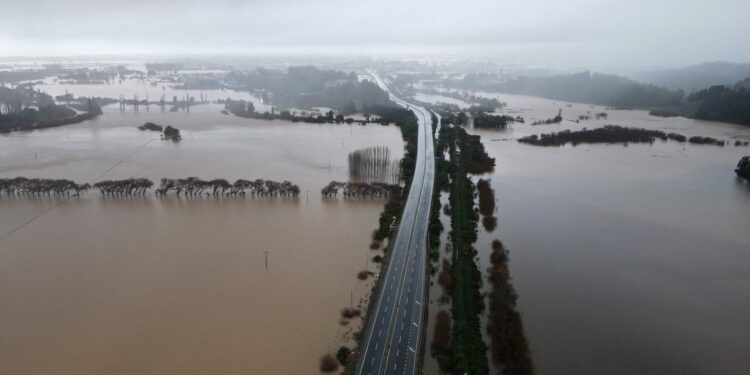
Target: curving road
394,334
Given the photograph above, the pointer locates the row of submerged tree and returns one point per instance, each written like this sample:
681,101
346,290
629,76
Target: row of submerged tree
194,186
618,134
191,186
184,103
509,347
554,120
40,186
374,164
129,186
360,189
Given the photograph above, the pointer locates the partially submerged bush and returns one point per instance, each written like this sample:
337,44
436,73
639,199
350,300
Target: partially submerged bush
150,126
172,133
328,363
342,355
350,312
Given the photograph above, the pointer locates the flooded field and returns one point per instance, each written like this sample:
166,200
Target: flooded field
627,260
148,285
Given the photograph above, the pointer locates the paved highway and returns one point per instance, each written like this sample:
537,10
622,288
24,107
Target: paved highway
394,334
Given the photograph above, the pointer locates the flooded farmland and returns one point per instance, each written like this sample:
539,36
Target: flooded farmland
153,285
626,259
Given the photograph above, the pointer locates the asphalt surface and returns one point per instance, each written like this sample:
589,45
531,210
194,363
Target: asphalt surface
394,334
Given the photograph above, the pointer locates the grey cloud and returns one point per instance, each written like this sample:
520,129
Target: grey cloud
584,32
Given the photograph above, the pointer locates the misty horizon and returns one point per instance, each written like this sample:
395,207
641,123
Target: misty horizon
574,34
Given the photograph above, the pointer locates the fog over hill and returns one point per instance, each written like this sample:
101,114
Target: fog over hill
696,77
594,34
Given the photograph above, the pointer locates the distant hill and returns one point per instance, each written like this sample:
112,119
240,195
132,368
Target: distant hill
745,83
584,87
696,77
723,103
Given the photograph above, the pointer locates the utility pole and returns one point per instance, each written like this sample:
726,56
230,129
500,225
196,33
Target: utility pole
266,253
307,196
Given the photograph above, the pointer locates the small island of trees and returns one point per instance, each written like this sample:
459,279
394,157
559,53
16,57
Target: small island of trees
555,120
168,133
486,121
743,168
614,134
487,204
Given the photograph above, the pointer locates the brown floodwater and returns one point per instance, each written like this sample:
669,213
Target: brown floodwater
146,285
627,260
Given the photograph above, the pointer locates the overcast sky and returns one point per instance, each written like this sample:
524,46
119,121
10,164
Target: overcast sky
591,33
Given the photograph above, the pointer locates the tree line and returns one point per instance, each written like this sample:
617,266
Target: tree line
23,108
617,134
374,164
378,114
361,189
583,87
191,186
509,346
194,186
308,86
487,204
41,186
467,351
723,103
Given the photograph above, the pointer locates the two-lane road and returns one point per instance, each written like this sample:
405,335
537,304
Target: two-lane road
393,336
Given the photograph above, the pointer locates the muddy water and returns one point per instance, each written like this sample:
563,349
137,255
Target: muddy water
627,260
143,89
173,285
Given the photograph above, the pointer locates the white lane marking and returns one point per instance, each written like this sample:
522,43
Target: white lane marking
410,348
